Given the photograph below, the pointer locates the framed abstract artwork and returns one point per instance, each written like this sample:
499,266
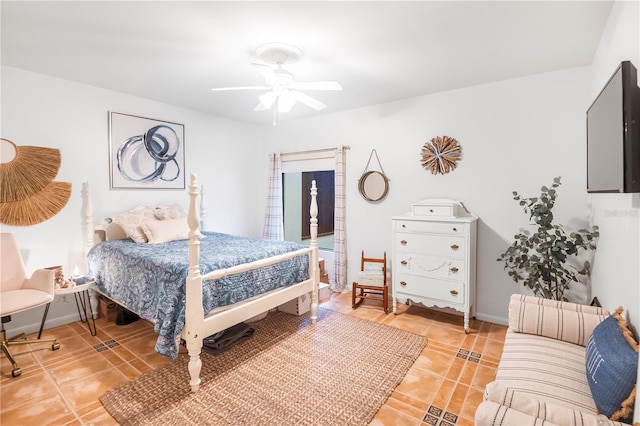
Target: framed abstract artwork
145,153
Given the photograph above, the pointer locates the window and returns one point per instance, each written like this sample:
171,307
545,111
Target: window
325,182
297,173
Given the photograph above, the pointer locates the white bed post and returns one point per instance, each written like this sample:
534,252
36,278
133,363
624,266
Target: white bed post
314,271
194,312
203,207
89,229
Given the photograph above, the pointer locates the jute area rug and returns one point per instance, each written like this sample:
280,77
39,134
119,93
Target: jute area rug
338,372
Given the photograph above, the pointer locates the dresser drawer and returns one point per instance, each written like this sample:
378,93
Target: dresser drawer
431,245
453,228
442,290
435,210
431,267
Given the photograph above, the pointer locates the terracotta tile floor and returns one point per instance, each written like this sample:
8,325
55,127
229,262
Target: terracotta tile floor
62,387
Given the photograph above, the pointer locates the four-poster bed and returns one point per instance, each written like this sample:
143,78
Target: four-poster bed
203,289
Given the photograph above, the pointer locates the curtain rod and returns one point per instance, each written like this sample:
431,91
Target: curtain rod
315,151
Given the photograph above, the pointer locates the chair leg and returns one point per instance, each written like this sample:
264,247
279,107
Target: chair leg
385,299
356,297
358,294
44,319
15,370
14,342
354,290
21,339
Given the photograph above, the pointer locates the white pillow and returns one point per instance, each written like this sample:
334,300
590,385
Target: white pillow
143,210
131,222
170,211
162,231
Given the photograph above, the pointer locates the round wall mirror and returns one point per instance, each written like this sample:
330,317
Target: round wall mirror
373,186
8,150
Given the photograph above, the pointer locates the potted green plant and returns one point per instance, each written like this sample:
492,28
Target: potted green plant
539,259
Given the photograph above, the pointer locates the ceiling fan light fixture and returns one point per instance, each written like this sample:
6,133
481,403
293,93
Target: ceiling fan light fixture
267,99
286,101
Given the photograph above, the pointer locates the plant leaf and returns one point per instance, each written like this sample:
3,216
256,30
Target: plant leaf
539,260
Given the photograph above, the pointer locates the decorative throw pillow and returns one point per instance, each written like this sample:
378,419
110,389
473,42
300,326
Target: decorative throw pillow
172,211
162,231
131,222
143,210
612,366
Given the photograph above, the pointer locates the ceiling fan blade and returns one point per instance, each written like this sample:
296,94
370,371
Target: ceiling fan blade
260,107
222,89
315,85
308,100
266,72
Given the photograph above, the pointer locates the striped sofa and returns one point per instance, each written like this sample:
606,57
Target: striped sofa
541,376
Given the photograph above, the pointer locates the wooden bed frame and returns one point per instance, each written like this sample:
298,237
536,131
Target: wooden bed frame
199,325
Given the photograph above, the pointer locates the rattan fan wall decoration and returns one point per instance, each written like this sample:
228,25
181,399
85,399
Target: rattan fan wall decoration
28,194
441,154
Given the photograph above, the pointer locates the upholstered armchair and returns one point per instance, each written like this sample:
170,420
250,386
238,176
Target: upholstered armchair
19,293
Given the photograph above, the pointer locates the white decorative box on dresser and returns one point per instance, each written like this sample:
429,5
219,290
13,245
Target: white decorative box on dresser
434,257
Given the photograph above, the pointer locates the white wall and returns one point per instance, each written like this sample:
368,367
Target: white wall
44,111
616,271
515,135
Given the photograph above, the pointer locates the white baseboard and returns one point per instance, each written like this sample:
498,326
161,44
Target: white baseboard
492,318
34,327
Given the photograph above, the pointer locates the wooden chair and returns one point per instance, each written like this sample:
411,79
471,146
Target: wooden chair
372,282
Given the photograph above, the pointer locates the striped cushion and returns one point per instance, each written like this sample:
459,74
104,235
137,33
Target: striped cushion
505,405
371,278
545,369
491,413
565,321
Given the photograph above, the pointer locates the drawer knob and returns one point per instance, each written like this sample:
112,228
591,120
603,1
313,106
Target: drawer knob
455,229
454,269
430,210
454,247
404,226
403,283
403,263
403,242
454,292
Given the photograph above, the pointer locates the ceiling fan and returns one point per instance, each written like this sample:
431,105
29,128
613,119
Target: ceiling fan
282,90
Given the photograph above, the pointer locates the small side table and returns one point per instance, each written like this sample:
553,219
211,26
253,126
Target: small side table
81,294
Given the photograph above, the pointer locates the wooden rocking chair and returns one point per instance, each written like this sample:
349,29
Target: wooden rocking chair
372,282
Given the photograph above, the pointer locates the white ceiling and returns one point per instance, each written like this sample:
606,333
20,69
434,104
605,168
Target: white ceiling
379,51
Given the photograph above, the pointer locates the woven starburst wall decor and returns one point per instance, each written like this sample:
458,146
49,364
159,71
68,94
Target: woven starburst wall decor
441,154
28,194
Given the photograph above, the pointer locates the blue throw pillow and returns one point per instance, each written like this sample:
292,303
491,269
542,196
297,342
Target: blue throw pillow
612,367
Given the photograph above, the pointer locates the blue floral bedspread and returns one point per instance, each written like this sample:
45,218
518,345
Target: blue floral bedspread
149,279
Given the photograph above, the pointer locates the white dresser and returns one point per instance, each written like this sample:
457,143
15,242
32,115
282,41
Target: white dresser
434,257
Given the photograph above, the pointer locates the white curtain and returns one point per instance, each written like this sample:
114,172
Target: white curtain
339,281
274,222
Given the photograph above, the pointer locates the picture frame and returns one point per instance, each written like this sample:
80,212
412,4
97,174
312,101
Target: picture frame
145,153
